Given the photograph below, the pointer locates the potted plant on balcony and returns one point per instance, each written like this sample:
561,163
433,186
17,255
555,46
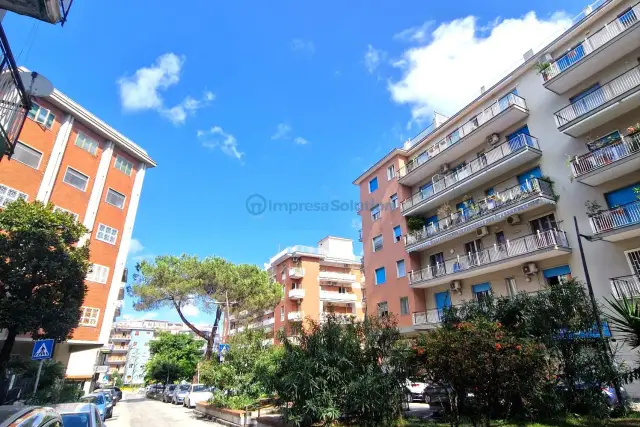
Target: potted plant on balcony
541,67
444,211
633,129
415,223
593,208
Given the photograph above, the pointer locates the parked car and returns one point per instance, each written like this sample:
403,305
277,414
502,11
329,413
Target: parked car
154,390
180,393
100,400
168,393
197,393
79,415
438,399
28,416
415,390
115,391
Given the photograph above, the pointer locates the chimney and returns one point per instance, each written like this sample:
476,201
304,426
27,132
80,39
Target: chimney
528,54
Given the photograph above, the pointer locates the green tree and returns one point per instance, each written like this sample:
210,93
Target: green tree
182,349
42,272
208,283
162,370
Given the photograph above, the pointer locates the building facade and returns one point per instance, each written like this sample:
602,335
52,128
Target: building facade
70,158
484,201
315,281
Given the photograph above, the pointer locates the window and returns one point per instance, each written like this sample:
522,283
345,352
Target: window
375,212
116,199
482,291
76,179
383,309
41,115
63,210
394,201
86,143
123,165
381,276
404,306
622,196
89,316
391,172
131,365
8,195
557,275
401,268
98,273
377,243
373,185
107,234
397,233
342,290
281,313
512,288
27,155
544,223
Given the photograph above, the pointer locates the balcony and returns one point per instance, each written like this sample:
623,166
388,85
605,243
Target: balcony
604,104
50,11
619,223
427,319
509,155
342,297
335,276
120,337
515,252
296,293
607,45
269,322
609,162
295,316
493,209
116,360
14,99
120,349
267,342
296,272
499,116
628,286
340,317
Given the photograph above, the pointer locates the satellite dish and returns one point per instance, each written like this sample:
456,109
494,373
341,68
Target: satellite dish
36,84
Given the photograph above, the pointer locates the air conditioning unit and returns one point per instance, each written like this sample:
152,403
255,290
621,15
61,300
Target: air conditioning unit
513,219
493,139
530,268
482,231
547,57
444,168
456,285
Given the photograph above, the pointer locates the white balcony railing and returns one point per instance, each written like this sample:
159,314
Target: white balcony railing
605,156
296,293
463,131
337,276
429,317
511,249
618,217
268,322
340,317
593,42
267,342
600,96
629,286
296,272
295,315
515,145
337,296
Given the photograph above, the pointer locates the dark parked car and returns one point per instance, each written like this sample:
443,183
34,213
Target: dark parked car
114,392
29,416
168,393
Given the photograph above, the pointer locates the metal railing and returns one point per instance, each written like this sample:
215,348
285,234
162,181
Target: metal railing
295,315
430,317
534,187
14,100
296,293
473,169
593,42
463,131
606,155
629,286
337,276
296,272
600,96
512,248
340,317
337,296
620,216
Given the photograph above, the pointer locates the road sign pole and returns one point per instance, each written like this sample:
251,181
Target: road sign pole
35,386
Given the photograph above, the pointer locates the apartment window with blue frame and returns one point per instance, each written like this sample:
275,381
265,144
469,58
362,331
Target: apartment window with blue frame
397,233
481,291
622,196
401,268
375,212
373,185
381,276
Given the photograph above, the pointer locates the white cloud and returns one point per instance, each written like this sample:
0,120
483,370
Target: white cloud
372,58
300,140
178,114
135,247
217,138
418,34
190,310
447,73
302,45
143,257
140,316
283,131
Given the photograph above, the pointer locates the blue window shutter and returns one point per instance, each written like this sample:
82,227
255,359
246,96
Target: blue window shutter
622,196
533,173
381,276
426,186
584,93
432,219
396,231
442,300
556,271
482,287
373,185
490,191
524,130
401,268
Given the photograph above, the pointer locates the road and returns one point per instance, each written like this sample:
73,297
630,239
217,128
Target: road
135,410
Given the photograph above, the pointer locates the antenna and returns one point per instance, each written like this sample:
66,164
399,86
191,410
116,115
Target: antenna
36,84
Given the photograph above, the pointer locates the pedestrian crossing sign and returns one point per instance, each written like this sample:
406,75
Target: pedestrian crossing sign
42,349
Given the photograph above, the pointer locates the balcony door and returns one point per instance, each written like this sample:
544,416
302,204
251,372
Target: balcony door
519,138
473,250
443,300
524,179
633,258
587,100
622,196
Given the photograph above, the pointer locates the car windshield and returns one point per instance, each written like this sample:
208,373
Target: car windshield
184,387
199,388
99,400
108,397
172,387
88,399
75,420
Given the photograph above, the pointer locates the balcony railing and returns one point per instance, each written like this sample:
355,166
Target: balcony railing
14,100
337,296
340,317
604,156
296,293
268,322
429,317
120,338
463,131
511,249
628,286
618,217
296,272
515,145
120,349
295,315
593,42
534,187
600,96
337,276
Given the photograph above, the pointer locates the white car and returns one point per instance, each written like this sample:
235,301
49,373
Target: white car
197,393
415,390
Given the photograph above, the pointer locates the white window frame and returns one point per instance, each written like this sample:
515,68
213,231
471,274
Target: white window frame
379,213
93,277
373,243
393,201
377,183
87,138
84,190
124,198
35,116
396,239
281,314
391,172
60,209
628,258
408,310
91,319
115,165
105,233
28,146
398,269
508,281
385,305
3,197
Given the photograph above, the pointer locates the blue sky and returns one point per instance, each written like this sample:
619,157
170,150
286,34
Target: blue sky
291,100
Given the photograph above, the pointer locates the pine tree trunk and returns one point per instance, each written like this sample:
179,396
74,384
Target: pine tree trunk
5,355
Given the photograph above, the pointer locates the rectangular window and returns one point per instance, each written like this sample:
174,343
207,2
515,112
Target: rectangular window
27,155
86,143
63,210
391,172
383,309
76,179
41,115
482,291
381,276
8,195
394,201
400,268
404,306
98,273
123,165
375,212
377,243
116,199
373,185
342,290
397,233
107,234
512,288
281,313
89,316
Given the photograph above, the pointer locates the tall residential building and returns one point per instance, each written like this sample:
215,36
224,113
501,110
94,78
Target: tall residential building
315,281
483,201
70,158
